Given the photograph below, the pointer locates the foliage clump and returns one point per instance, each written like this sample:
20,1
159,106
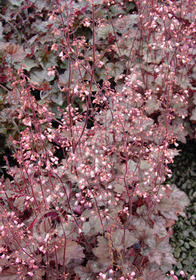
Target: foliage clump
93,94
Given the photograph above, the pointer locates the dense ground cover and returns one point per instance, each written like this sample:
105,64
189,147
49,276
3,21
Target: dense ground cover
184,234
94,97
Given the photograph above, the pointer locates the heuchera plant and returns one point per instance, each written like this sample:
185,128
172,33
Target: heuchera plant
96,92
